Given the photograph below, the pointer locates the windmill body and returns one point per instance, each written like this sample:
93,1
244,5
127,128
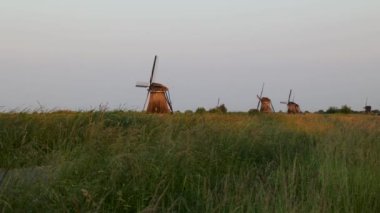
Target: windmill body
293,108
158,97
264,103
367,108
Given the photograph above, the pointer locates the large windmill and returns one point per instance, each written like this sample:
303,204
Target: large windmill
293,108
158,96
264,102
367,107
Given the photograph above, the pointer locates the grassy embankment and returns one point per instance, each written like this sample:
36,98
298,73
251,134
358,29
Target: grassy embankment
115,161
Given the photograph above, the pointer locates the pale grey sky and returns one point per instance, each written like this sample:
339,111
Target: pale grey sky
78,54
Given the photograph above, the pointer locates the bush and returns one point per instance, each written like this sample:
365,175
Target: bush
253,111
220,109
200,110
346,109
332,110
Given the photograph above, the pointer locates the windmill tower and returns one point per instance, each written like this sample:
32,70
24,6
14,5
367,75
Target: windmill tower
265,104
158,96
293,108
367,108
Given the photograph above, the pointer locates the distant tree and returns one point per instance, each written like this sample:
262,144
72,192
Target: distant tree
332,110
200,110
220,109
321,111
188,112
346,109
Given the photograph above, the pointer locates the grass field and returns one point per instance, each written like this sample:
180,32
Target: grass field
128,161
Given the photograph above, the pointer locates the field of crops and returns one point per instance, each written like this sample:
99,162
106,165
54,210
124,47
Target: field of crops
129,161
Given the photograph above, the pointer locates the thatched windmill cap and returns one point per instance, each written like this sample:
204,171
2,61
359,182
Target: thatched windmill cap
157,86
265,99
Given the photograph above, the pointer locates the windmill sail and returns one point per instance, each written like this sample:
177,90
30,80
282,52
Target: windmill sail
153,69
290,95
272,107
142,84
261,95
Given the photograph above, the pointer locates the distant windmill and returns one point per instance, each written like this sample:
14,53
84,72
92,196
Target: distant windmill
266,103
367,108
293,108
158,96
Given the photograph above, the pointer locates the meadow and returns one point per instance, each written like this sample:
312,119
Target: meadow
119,161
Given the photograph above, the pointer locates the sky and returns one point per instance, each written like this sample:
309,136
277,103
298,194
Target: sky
81,54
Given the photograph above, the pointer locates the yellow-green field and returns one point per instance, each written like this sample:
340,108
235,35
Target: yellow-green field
128,161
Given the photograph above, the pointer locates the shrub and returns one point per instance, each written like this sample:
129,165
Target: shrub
346,109
188,112
332,110
253,111
220,109
200,110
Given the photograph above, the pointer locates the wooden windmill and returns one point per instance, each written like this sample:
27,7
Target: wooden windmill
158,96
367,107
293,108
265,104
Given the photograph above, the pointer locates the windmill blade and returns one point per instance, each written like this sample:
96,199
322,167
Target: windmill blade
167,94
283,102
272,107
153,69
258,103
146,100
262,90
142,84
261,95
290,95
366,102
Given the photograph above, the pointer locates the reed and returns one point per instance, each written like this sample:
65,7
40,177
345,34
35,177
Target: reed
128,161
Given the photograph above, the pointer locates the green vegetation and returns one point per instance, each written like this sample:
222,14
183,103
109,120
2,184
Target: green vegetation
343,110
219,109
253,112
200,110
126,161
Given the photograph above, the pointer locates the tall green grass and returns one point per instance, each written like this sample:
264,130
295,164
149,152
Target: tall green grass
126,161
